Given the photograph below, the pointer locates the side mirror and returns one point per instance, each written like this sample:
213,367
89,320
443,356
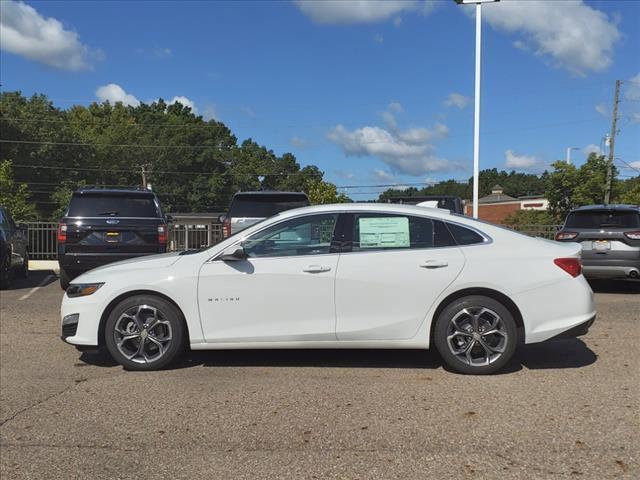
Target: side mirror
222,218
233,254
168,218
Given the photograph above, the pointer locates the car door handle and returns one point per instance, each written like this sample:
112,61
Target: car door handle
434,264
316,269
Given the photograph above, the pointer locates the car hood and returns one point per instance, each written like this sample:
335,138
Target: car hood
147,262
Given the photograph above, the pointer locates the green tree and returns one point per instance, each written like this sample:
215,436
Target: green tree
321,192
529,217
15,196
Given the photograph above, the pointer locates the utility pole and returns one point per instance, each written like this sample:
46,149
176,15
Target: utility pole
144,176
612,142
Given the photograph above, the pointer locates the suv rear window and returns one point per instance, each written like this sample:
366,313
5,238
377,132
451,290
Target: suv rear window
264,205
121,205
603,219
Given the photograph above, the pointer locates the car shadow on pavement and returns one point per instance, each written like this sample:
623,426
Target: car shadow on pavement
615,286
38,278
559,354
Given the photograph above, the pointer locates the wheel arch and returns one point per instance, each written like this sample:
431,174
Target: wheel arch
486,292
107,311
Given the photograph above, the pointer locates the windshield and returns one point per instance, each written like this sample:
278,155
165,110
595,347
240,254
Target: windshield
113,205
603,219
265,205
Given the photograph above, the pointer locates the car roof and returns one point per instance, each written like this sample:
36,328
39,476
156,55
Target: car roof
112,191
270,192
373,207
623,207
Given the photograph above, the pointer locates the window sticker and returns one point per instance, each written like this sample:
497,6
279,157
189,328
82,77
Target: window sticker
384,232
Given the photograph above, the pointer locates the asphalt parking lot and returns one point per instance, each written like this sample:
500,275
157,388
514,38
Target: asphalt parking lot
564,409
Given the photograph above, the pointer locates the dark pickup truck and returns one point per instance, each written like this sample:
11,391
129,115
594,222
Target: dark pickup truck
103,226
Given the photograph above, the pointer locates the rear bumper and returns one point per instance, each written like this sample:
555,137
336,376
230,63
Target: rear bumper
87,261
577,331
611,270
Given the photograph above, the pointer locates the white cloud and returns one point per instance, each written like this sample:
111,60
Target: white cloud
635,117
360,11
635,164
521,162
378,38
389,116
162,52
577,36
601,108
591,148
457,100
248,111
114,93
395,107
185,102
397,22
418,135
383,176
344,174
210,112
24,32
632,88
411,157
298,142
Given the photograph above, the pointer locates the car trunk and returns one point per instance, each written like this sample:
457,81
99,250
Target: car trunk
112,234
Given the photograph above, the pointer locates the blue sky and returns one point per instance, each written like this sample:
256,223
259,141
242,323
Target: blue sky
371,92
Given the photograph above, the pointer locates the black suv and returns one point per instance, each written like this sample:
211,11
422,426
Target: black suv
103,226
610,239
14,256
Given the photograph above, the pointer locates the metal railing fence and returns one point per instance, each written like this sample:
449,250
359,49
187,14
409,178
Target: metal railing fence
43,241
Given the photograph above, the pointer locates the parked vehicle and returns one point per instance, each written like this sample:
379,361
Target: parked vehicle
14,249
339,276
102,226
610,239
447,202
249,208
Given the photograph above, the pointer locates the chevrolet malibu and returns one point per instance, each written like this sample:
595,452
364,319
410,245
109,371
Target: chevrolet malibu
338,276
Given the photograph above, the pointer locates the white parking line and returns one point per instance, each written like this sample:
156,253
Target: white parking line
33,290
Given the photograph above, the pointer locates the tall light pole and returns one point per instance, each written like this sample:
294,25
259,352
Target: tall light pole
569,153
476,117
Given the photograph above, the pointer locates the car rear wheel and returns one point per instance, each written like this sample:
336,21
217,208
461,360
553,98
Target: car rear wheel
24,268
5,271
145,332
476,335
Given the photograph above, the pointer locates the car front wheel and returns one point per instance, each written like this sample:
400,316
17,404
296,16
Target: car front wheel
476,335
145,332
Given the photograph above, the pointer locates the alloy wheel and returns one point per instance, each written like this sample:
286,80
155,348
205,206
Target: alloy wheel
142,334
477,336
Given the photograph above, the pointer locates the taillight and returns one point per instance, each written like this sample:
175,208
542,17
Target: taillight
632,235
226,228
162,234
571,265
62,232
566,235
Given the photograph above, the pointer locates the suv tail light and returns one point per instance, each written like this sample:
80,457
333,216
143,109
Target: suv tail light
632,235
571,265
226,228
566,235
162,234
62,232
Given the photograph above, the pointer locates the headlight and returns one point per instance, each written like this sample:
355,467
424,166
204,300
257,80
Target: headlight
82,289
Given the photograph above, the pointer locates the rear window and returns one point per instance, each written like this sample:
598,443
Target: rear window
464,236
265,205
603,219
113,205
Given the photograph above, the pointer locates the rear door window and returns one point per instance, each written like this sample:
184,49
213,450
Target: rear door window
113,205
597,219
264,205
379,231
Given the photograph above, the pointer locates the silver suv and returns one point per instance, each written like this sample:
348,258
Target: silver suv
248,208
610,239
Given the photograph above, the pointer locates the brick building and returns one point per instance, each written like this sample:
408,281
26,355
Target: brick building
497,206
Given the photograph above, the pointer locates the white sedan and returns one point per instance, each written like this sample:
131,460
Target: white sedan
338,276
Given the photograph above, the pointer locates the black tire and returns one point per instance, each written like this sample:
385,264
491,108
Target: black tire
23,272
504,340
5,272
65,278
172,325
